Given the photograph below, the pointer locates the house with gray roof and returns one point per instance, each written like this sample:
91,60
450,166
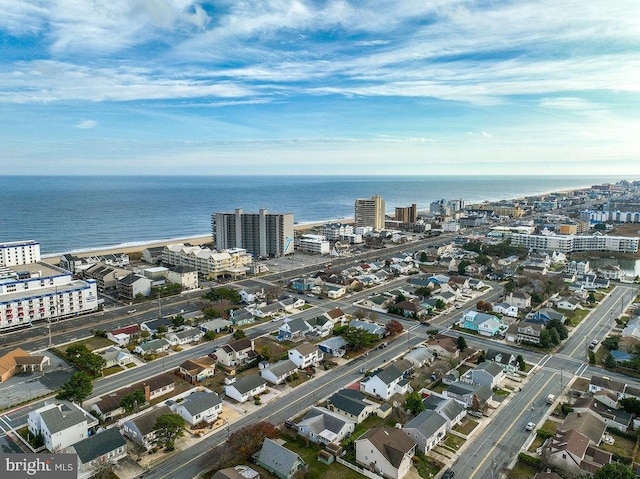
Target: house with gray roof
612,417
152,325
294,329
199,406
115,357
279,460
352,404
154,346
368,326
322,426
278,373
140,429
216,325
61,424
245,388
469,395
507,361
185,336
386,382
420,356
427,429
335,346
241,317
106,447
487,373
450,409
305,355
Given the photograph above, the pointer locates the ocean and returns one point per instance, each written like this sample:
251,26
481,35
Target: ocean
84,213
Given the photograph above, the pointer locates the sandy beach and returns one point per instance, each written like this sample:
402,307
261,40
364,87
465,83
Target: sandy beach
196,241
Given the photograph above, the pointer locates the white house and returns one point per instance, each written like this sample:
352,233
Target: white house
199,407
519,299
61,424
487,373
387,451
123,336
569,303
352,404
140,429
305,355
279,372
386,383
323,426
235,353
154,346
245,388
334,291
185,276
506,309
185,336
427,429
106,447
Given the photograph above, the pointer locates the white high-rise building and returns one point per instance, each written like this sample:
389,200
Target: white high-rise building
31,290
262,234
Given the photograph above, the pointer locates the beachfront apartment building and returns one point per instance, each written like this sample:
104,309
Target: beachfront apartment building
317,244
209,263
370,212
34,291
262,234
577,243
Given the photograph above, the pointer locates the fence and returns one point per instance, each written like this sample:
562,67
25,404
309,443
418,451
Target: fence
358,469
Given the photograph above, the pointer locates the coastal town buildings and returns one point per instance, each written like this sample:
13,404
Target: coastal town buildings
262,234
31,290
574,243
209,263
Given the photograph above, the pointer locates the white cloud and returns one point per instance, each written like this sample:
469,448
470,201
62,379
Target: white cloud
86,124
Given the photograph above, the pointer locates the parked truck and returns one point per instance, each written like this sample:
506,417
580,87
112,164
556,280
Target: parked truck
550,399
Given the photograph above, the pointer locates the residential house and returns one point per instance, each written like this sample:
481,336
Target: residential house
295,329
519,299
335,346
427,429
386,382
528,332
462,282
18,360
572,451
155,326
611,271
378,302
487,373
305,355
419,356
612,417
590,425
197,370
352,404
278,373
115,357
632,329
336,316
109,406
140,429
387,451
235,353
132,286
241,317
61,424
323,426
185,336
473,396
216,325
482,323
123,336
153,254
603,383
279,460
569,303
334,291
507,361
544,315
450,409
106,447
368,326
185,276
154,346
236,472
506,309
443,346
410,309
199,406
476,284
245,388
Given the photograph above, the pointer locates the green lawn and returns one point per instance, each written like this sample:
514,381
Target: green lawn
91,343
575,316
111,370
466,427
622,446
453,442
427,467
522,471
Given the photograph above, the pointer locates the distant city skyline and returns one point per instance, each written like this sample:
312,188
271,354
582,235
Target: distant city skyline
447,87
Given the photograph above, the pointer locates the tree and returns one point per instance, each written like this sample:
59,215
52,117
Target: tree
440,304
545,339
423,291
522,366
484,306
394,327
614,470
133,401
612,343
483,260
423,257
400,298
592,357
360,313
77,388
178,321
609,361
591,298
168,427
249,439
462,266
358,338
555,336
481,357
461,343
239,334
562,330
631,405
413,403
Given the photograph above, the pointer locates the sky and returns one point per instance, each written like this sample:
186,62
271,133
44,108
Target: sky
429,87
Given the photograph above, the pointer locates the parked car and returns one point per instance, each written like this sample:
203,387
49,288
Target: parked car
593,344
530,426
131,311
448,474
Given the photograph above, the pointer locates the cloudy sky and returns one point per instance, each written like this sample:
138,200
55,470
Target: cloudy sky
319,87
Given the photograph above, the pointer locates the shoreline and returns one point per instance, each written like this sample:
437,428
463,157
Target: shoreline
200,240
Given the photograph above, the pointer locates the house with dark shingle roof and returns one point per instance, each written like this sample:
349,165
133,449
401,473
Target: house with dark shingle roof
279,460
140,429
387,382
278,373
487,373
450,409
387,451
469,394
245,388
104,447
323,426
352,404
199,406
427,429
197,370
572,451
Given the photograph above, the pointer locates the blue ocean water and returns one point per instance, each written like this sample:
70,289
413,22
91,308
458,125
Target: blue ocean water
80,213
